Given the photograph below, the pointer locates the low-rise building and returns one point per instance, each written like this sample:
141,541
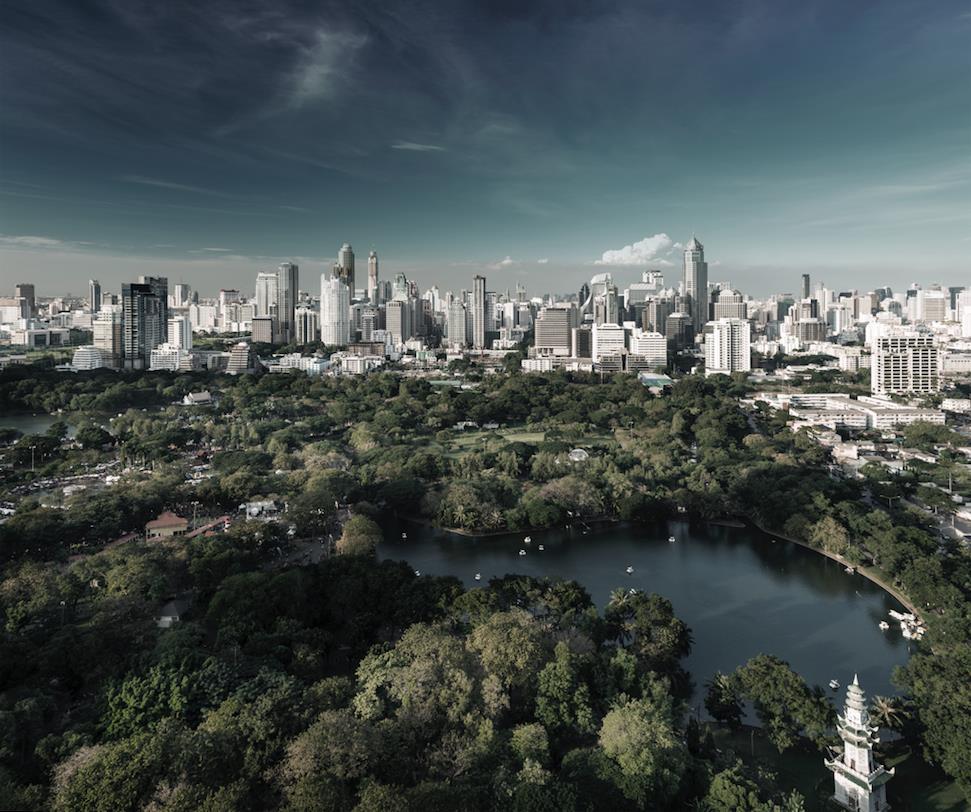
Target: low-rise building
838,411
167,525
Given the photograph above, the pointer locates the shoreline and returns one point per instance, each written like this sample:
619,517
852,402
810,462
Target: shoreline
866,572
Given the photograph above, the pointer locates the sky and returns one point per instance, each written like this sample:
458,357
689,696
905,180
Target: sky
535,142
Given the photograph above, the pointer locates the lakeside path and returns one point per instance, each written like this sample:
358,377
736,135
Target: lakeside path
870,573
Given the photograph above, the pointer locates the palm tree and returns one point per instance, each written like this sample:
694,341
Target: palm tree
888,712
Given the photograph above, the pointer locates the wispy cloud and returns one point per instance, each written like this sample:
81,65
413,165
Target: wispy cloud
322,67
649,250
505,262
412,146
218,250
543,261
30,241
178,187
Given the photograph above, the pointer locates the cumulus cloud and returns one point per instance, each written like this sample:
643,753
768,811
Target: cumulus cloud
646,251
412,146
543,261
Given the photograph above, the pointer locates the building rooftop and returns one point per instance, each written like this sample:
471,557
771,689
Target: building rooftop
166,519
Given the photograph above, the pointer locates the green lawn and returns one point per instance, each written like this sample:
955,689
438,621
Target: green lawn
470,440
916,787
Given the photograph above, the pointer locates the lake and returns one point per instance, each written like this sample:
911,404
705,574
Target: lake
31,423
741,593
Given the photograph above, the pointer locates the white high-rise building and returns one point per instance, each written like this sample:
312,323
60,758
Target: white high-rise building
180,332
651,347
904,363
266,294
696,283
372,278
478,312
308,324
457,327
107,334
933,304
335,311
728,347
180,295
608,340
166,357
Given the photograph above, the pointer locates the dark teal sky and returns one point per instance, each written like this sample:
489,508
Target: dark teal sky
210,140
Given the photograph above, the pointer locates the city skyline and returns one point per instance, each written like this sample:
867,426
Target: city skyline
530,145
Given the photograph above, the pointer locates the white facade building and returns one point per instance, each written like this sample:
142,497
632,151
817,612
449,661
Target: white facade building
653,347
904,364
728,347
608,340
335,311
180,332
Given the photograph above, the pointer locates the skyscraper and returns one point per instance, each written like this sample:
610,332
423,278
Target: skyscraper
94,295
180,332
160,289
456,323
143,325
26,290
478,312
696,283
108,334
308,324
345,260
730,304
806,292
266,293
727,347
181,295
372,278
286,300
335,311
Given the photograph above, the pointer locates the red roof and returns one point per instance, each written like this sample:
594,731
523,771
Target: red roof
167,519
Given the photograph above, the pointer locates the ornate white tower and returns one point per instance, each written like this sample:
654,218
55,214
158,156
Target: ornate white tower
860,781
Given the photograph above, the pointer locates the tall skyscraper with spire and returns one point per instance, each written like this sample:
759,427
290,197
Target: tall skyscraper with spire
696,283
372,278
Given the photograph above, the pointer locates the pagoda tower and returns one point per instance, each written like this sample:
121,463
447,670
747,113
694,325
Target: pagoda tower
860,781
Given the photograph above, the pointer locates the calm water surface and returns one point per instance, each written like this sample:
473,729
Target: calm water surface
740,593
31,423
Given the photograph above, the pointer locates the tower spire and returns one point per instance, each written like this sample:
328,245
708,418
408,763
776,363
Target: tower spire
860,783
